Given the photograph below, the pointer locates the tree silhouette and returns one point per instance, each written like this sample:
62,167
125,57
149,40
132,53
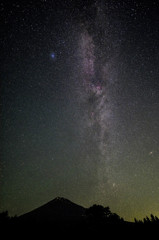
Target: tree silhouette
4,218
98,213
148,220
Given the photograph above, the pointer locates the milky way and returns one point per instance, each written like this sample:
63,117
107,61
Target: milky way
96,77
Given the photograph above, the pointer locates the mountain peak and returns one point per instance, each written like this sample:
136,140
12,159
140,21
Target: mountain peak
60,199
58,208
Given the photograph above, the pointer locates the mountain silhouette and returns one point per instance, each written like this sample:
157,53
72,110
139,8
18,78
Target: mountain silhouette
64,218
59,210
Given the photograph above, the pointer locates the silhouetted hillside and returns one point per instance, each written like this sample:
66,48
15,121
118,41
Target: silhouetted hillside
63,217
58,210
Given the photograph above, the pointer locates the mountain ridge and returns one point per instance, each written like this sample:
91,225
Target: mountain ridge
58,209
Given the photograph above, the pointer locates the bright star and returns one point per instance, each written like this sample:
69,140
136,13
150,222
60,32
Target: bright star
53,55
150,153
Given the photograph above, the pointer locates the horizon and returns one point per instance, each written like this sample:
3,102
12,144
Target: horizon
80,105
63,198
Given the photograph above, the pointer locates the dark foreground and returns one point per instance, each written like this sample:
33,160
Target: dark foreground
80,230
61,219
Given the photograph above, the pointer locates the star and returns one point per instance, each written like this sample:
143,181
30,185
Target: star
53,55
150,153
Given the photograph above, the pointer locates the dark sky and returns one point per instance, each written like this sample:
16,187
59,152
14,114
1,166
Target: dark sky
80,104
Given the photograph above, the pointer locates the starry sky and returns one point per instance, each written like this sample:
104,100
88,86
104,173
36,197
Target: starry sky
80,104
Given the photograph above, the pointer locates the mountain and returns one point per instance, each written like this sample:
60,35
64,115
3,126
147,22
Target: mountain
61,217
59,210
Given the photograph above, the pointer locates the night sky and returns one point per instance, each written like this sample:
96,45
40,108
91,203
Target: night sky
80,104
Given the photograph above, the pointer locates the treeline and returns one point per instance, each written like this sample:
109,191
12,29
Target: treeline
100,214
95,215
6,219
148,220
